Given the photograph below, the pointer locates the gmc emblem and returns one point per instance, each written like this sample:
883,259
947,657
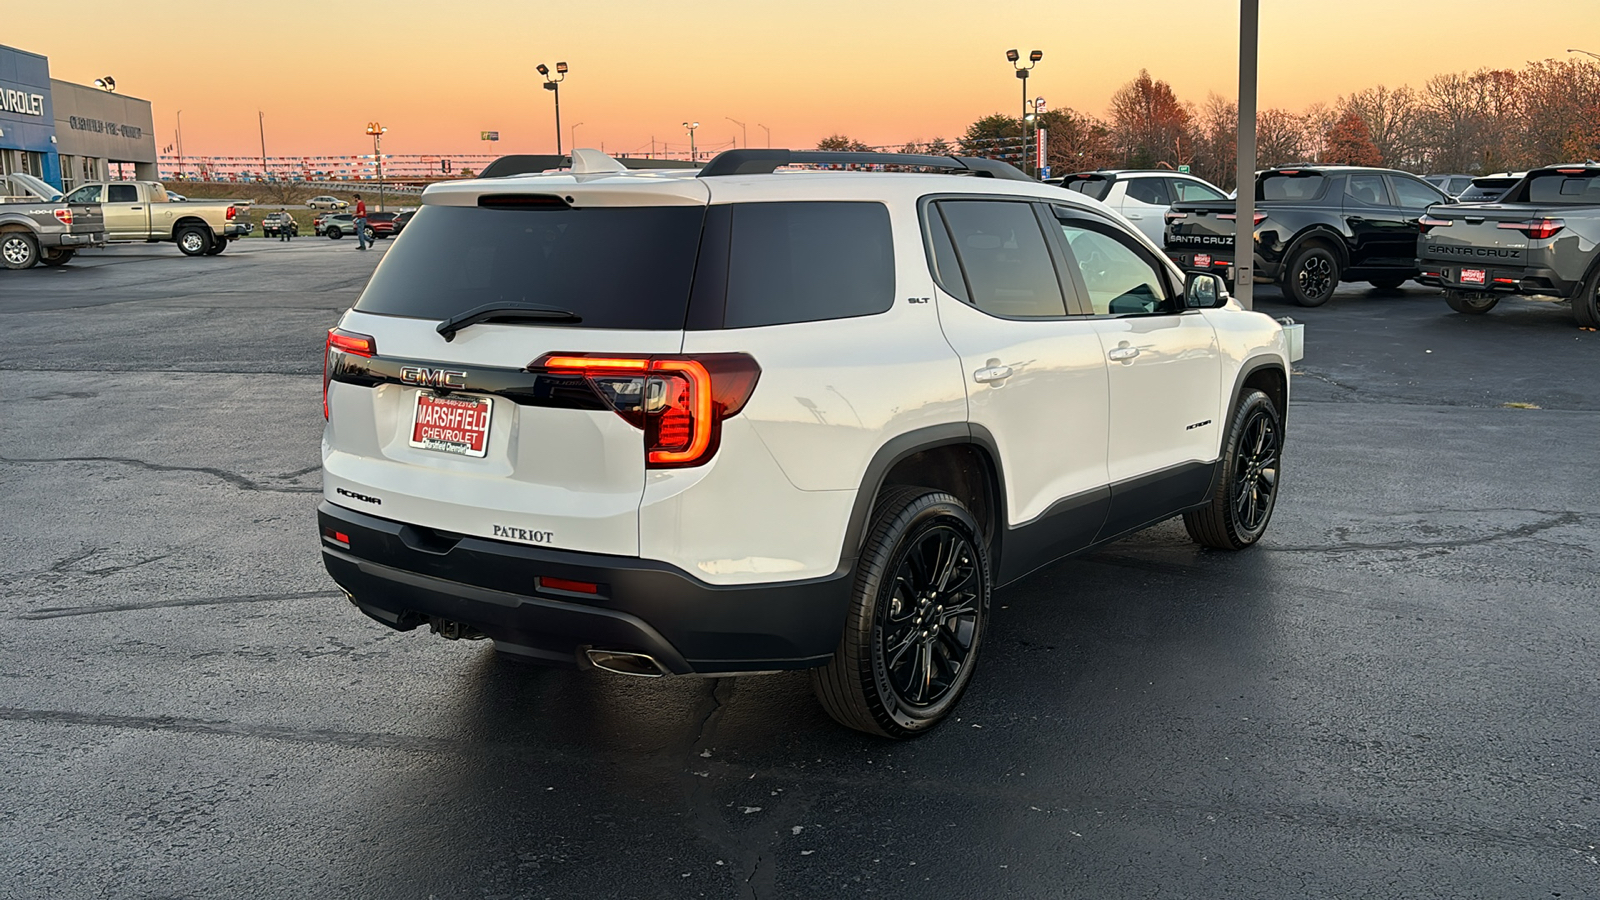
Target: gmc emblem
434,378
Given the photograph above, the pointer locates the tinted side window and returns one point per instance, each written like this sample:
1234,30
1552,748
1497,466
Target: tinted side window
803,262
1004,257
1148,190
1555,187
946,268
1368,189
1283,186
1414,194
1120,280
1094,187
1184,189
122,193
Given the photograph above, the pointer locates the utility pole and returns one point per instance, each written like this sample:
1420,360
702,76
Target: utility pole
1244,224
261,120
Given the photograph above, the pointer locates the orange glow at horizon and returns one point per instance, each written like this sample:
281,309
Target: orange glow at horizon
887,73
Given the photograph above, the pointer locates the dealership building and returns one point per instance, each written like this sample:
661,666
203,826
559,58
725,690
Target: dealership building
68,133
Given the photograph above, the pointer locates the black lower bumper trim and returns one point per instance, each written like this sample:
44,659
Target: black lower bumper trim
404,576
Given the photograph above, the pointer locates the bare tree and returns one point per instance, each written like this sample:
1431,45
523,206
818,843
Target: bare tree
1391,118
1280,137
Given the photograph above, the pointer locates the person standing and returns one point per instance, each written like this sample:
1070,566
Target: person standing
285,226
361,222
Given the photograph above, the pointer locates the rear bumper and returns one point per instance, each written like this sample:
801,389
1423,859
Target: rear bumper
404,576
236,229
90,239
1536,280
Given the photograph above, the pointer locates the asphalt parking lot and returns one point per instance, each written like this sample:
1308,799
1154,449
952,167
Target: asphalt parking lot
1392,696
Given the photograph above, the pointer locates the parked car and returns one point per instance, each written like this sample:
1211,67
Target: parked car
327,202
140,212
402,220
1143,196
1541,239
272,224
176,198
382,224
1315,226
1488,188
338,225
1452,185
37,225
704,424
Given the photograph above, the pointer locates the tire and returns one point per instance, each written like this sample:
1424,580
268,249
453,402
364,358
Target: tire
58,257
18,250
217,246
335,233
1388,284
372,237
1312,275
903,662
1471,303
193,240
1246,493
1586,306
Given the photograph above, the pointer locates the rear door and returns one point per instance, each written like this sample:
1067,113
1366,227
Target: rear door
1145,205
458,435
127,214
1165,372
1035,376
1382,238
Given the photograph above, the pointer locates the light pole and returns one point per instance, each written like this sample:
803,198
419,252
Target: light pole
691,126
376,130
1585,53
180,145
768,131
741,130
574,129
554,84
1022,73
261,121
1244,223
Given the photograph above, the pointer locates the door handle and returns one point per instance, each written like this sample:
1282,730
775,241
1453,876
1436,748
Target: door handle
1134,215
1122,354
991,374
135,208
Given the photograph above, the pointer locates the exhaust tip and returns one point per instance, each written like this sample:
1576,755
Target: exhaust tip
639,665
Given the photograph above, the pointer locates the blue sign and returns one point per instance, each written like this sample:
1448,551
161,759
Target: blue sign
1044,173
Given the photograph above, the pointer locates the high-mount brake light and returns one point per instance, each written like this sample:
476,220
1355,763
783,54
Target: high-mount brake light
1427,222
1538,229
1288,171
64,215
1572,171
679,402
341,341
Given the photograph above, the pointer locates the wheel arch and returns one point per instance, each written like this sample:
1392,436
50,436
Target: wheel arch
187,221
1317,234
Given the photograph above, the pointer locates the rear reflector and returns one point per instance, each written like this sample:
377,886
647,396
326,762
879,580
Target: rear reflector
1505,281
336,537
571,587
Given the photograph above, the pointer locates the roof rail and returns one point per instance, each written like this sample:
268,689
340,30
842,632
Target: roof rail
763,162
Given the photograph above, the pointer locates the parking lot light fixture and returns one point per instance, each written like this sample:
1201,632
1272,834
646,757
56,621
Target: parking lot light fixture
1015,58
377,132
1585,53
552,83
742,130
768,131
690,127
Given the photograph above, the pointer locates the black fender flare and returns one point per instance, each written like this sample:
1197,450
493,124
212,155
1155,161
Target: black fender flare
1251,366
1317,232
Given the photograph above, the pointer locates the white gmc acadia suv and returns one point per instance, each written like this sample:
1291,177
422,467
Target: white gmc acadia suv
747,420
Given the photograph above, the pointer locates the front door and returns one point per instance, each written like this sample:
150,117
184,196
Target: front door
1035,375
1164,372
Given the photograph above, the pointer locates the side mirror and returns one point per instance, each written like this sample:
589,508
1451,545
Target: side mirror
1205,291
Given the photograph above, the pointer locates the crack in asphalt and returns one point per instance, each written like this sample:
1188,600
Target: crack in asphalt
707,815
367,740
61,612
1555,520
243,482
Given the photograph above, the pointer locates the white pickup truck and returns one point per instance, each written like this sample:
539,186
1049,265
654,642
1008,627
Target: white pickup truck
140,211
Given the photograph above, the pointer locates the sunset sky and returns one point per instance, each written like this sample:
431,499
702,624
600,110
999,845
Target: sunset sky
886,72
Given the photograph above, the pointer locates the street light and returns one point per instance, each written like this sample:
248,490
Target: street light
377,132
768,131
180,145
691,126
107,84
741,129
1585,53
261,121
574,129
554,84
1015,58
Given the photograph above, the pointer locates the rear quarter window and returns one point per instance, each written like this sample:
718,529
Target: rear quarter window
808,261
1283,186
1097,187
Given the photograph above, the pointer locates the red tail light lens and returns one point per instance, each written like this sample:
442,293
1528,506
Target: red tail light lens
65,215
1427,222
1538,229
1175,216
679,402
232,212
341,341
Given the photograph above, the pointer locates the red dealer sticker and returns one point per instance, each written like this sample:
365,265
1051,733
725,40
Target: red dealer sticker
451,424
1473,276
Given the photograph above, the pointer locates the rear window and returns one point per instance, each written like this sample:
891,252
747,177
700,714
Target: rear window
1486,189
1286,186
1559,189
1095,187
617,267
808,261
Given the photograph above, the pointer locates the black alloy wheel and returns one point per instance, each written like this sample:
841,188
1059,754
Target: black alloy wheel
918,612
1246,490
1313,275
335,233
1471,303
1586,306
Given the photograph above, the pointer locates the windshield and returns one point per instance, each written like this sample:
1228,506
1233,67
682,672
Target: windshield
616,267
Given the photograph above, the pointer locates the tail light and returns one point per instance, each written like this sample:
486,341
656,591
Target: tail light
1175,216
232,212
1427,222
1538,229
679,402
341,342
1234,217
65,215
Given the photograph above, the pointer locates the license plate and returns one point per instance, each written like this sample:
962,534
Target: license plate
451,424
1473,276
1202,259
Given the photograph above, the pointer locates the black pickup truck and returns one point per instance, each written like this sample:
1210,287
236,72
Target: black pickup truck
1541,239
1315,227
